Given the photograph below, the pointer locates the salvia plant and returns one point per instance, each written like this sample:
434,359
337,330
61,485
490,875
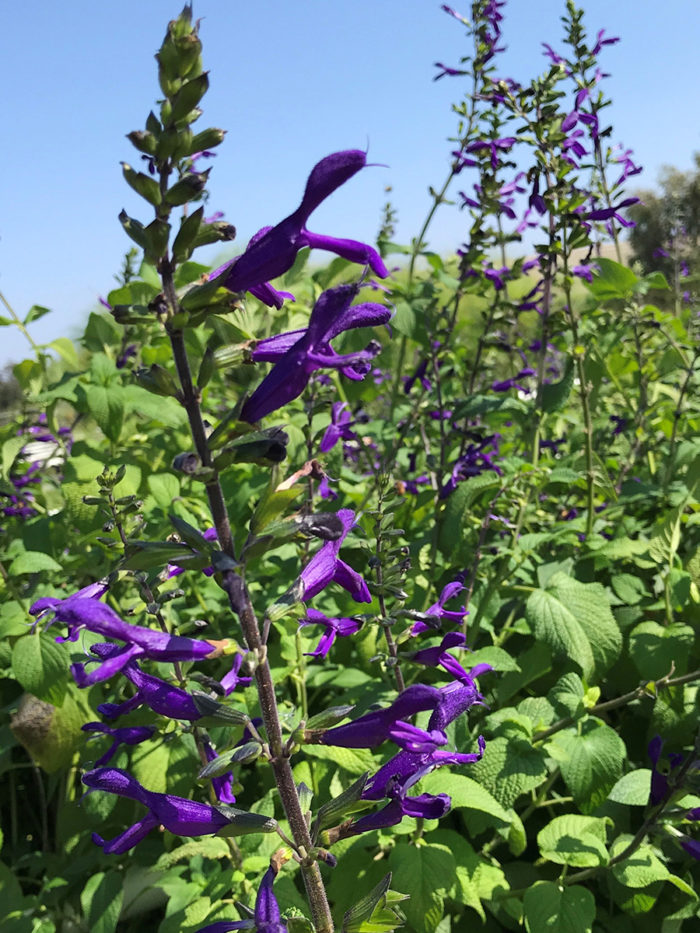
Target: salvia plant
362,596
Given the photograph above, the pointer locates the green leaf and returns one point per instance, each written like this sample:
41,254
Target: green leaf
41,666
374,912
613,280
511,766
32,562
465,793
499,659
632,789
590,761
654,648
51,734
106,405
642,868
10,449
101,900
575,619
35,313
164,487
551,908
556,394
353,760
574,840
453,518
427,872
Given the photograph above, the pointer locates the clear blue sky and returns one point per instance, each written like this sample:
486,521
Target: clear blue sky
291,81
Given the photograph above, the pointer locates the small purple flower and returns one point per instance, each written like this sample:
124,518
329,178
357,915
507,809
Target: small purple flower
585,271
447,70
272,251
339,427
267,917
224,783
333,627
437,612
325,566
130,735
163,698
178,815
299,353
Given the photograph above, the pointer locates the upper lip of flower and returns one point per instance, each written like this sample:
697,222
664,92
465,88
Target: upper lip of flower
272,251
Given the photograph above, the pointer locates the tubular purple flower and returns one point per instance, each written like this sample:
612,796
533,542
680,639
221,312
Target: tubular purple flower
333,627
272,251
438,612
326,567
130,735
163,698
224,783
266,918
298,354
376,727
180,816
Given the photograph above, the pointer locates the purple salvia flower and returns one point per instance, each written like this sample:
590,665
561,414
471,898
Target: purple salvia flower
272,251
178,815
600,42
447,70
439,614
333,627
376,727
266,918
79,612
339,427
230,681
163,698
325,566
298,354
130,735
224,783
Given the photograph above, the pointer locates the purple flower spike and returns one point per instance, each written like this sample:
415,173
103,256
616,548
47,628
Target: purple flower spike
132,735
180,816
333,627
325,566
376,727
298,354
267,917
272,251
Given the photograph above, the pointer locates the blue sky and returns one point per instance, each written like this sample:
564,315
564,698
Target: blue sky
291,82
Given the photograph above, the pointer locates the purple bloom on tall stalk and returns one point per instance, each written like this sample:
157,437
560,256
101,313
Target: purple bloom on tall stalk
326,567
266,918
180,816
272,251
299,353
339,427
376,727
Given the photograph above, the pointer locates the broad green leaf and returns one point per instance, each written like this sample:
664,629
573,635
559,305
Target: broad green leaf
499,659
453,519
465,793
511,766
574,840
164,487
575,619
41,666
612,281
552,908
477,878
556,394
654,648
641,868
426,872
632,789
10,448
32,562
353,760
101,900
590,761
